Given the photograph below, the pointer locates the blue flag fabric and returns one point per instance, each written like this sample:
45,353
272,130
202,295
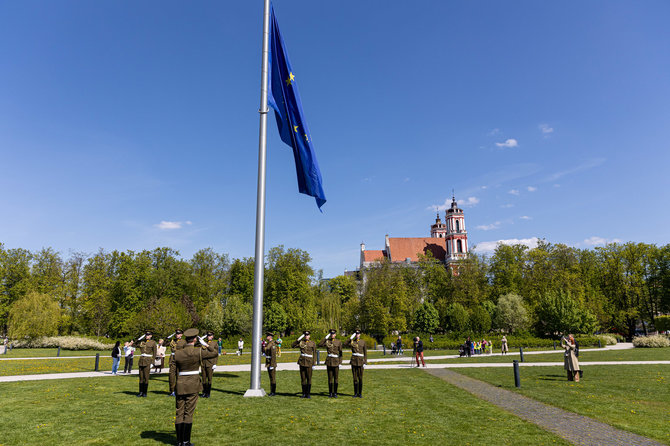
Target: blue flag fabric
284,99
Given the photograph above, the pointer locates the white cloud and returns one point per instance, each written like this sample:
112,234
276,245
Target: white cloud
511,142
495,225
467,203
545,129
513,192
525,217
531,188
489,247
600,241
169,225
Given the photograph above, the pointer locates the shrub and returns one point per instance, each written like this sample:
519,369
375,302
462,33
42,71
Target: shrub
608,339
64,342
653,341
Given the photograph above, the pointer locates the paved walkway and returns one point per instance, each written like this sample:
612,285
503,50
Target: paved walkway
577,429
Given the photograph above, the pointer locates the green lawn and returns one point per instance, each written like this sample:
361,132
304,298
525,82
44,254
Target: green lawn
631,397
47,352
399,407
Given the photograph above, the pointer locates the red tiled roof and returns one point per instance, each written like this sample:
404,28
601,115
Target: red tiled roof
373,255
403,247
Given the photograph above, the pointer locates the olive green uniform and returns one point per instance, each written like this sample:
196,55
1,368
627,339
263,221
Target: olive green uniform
208,367
359,357
188,362
148,352
271,364
306,362
333,361
175,345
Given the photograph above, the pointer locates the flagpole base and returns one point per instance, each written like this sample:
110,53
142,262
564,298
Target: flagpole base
254,392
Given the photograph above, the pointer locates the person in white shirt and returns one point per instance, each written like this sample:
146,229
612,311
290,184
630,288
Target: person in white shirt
240,346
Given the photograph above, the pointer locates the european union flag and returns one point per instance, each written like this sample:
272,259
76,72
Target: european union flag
284,99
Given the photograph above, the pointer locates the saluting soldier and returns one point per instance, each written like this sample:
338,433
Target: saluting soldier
333,361
306,361
188,360
359,357
209,364
271,361
148,352
175,344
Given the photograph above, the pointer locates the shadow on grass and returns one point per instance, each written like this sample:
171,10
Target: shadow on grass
552,377
161,437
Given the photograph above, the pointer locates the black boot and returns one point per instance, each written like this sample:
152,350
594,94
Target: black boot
335,390
146,389
304,391
273,387
355,390
177,428
204,391
360,389
309,391
330,390
186,434
141,390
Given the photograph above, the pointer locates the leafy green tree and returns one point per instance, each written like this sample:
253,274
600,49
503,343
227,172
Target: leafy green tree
288,282
34,315
506,268
470,285
209,277
162,315
72,312
426,318
511,313
344,286
458,319
385,302
274,318
15,281
559,312
241,276
480,320
662,323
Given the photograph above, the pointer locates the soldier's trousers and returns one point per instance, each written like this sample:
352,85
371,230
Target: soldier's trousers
358,373
272,372
305,375
333,374
172,376
207,373
185,408
145,371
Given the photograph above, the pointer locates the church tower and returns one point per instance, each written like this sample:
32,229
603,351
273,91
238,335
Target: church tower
456,235
439,229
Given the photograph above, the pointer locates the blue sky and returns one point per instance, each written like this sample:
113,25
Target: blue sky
132,125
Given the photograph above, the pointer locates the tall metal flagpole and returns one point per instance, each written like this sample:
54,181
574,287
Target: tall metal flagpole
259,267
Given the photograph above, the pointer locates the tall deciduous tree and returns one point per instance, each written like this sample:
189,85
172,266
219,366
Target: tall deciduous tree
34,315
511,313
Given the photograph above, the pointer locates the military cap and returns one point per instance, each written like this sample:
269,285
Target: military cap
332,331
191,333
269,333
179,331
148,333
358,332
306,332
210,333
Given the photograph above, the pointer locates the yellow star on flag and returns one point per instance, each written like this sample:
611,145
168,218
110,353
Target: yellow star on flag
295,128
290,79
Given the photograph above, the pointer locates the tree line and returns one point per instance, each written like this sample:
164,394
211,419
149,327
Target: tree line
548,289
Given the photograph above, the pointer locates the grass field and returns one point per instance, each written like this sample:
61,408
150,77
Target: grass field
399,407
631,397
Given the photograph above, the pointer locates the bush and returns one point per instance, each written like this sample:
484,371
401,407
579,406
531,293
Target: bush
608,339
64,342
654,341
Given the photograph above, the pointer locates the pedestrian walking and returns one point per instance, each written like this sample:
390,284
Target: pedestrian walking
503,345
159,362
333,361
116,357
398,345
418,351
306,362
359,357
128,355
240,346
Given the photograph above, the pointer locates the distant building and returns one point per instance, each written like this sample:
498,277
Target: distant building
448,243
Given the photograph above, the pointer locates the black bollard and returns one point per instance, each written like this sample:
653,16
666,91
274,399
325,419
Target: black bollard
58,354
599,344
384,345
97,362
517,379
521,353
554,345
318,357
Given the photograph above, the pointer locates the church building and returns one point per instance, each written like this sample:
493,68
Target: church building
448,243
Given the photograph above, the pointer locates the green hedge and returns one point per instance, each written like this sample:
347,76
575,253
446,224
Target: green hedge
453,341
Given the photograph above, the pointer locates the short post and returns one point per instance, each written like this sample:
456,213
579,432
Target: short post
521,353
554,345
318,357
384,345
58,354
599,344
517,379
97,362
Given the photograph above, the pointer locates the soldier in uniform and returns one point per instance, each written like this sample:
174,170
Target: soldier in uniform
359,357
306,361
209,364
148,352
175,344
188,360
271,361
333,361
